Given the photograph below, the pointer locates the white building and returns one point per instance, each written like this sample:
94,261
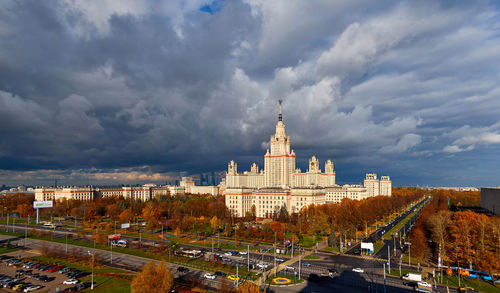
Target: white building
280,183
144,193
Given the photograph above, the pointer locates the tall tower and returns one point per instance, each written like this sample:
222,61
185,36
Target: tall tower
279,163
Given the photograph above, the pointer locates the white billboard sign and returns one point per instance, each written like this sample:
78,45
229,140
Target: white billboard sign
367,246
125,225
42,204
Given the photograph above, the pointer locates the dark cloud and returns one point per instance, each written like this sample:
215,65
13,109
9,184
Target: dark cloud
404,89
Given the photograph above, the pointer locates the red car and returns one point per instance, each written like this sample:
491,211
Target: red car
54,269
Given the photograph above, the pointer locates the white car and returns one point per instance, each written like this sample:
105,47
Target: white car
424,284
209,276
291,268
71,282
358,270
278,259
32,288
262,265
243,252
228,253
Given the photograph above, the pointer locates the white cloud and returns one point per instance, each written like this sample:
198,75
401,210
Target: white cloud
406,142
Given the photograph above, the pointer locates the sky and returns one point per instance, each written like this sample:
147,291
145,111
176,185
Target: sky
131,91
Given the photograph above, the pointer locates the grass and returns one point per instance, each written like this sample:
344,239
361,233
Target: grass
6,249
378,246
106,279
294,280
477,285
331,249
414,260
308,240
312,256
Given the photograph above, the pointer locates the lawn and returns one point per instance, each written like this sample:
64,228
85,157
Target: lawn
476,284
6,250
378,246
312,256
293,279
106,279
331,249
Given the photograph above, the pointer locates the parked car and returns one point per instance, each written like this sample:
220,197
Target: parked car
83,286
209,276
220,274
183,269
279,259
64,270
243,252
358,270
32,288
306,264
71,282
291,268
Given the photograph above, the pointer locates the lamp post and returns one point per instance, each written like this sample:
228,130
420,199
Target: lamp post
92,280
409,252
26,232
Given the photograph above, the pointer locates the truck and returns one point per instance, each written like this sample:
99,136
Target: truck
412,277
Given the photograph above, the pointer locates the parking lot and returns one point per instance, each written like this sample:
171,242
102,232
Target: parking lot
14,276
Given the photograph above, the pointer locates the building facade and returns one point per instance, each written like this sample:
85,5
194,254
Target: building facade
281,185
490,199
144,193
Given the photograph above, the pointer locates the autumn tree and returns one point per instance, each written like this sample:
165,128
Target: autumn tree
214,223
25,209
127,216
151,213
153,278
249,287
438,224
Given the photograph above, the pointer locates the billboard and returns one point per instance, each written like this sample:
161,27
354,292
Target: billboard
42,204
368,246
125,225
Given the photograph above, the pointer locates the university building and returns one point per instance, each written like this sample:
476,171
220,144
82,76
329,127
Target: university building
144,193
280,184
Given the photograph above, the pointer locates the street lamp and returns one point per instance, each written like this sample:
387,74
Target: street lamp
92,280
409,252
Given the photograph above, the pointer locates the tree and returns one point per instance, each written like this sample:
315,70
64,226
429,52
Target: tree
25,209
214,223
151,214
153,278
249,287
113,210
439,223
127,216
332,240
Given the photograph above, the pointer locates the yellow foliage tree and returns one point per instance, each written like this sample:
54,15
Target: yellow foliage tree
249,287
153,278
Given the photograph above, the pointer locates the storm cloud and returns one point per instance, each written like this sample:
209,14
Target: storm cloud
139,90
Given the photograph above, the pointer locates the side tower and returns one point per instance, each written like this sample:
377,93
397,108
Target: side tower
372,185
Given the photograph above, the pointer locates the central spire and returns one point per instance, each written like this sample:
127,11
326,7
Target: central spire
280,117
